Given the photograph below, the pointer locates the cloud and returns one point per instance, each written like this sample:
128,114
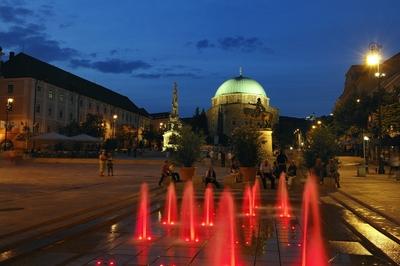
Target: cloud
32,40
167,75
202,44
113,52
116,66
11,14
46,10
238,43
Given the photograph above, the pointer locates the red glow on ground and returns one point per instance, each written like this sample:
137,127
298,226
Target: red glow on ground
142,223
208,208
188,214
283,198
170,209
313,251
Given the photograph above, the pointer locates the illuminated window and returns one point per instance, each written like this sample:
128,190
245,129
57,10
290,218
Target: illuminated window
61,97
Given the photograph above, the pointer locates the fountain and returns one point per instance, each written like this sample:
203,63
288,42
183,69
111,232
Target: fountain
223,248
313,250
283,197
188,214
143,231
208,208
248,201
170,211
256,195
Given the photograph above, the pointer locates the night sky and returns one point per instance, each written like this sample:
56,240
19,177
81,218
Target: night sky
298,50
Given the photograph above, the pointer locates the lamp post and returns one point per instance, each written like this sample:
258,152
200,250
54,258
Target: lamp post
365,142
9,108
374,58
115,117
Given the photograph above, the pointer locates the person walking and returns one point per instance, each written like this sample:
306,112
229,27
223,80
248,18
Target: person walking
266,172
282,159
292,172
211,177
110,165
102,162
319,170
164,172
333,171
175,176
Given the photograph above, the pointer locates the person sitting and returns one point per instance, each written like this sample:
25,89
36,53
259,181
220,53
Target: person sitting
174,175
164,172
211,177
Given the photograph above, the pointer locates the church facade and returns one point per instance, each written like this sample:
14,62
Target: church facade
241,101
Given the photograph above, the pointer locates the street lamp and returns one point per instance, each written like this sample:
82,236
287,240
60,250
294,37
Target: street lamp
373,59
115,117
9,108
365,142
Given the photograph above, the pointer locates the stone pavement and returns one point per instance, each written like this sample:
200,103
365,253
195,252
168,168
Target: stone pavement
350,237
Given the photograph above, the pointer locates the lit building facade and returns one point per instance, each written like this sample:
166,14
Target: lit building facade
47,98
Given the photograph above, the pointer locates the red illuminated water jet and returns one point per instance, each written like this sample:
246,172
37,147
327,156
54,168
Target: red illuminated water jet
143,231
224,250
188,214
248,201
283,198
170,209
208,208
313,250
256,195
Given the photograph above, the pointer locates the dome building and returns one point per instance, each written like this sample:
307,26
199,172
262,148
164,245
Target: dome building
241,101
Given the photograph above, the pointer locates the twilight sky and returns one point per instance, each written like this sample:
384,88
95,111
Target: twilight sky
298,50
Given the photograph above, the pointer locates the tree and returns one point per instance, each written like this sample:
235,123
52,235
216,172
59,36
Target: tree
188,144
246,144
320,143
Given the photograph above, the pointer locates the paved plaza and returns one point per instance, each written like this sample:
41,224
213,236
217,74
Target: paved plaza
65,214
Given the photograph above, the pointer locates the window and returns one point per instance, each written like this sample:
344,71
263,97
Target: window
97,108
71,99
10,88
61,97
39,89
51,94
70,116
90,105
105,110
80,103
38,108
60,114
49,111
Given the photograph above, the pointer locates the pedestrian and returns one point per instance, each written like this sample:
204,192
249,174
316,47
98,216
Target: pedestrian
102,162
175,176
275,170
333,171
319,170
292,172
110,164
222,159
266,172
282,159
211,177
165,173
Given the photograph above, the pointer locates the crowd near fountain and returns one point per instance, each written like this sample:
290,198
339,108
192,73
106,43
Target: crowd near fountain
225,221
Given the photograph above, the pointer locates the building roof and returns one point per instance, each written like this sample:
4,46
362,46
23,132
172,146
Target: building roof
23,65
162,115
240,84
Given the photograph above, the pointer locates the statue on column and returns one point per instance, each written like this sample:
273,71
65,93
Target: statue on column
174,111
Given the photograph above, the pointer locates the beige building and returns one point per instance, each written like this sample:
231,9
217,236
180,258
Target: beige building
241,101
47,98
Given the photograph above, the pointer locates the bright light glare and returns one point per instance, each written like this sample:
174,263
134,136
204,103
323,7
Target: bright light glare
373,59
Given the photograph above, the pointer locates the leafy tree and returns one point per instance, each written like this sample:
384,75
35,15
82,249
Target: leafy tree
188,144
246,144
320,143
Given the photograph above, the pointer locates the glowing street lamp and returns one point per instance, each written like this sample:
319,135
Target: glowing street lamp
365,142
9,108
373,59
115,117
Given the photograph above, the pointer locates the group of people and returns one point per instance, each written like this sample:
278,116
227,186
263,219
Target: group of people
106,160
273,172
331,170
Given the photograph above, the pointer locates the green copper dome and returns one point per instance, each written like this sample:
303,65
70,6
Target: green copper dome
240,85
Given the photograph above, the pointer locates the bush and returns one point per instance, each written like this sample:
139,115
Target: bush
188,145
320,143
247,146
